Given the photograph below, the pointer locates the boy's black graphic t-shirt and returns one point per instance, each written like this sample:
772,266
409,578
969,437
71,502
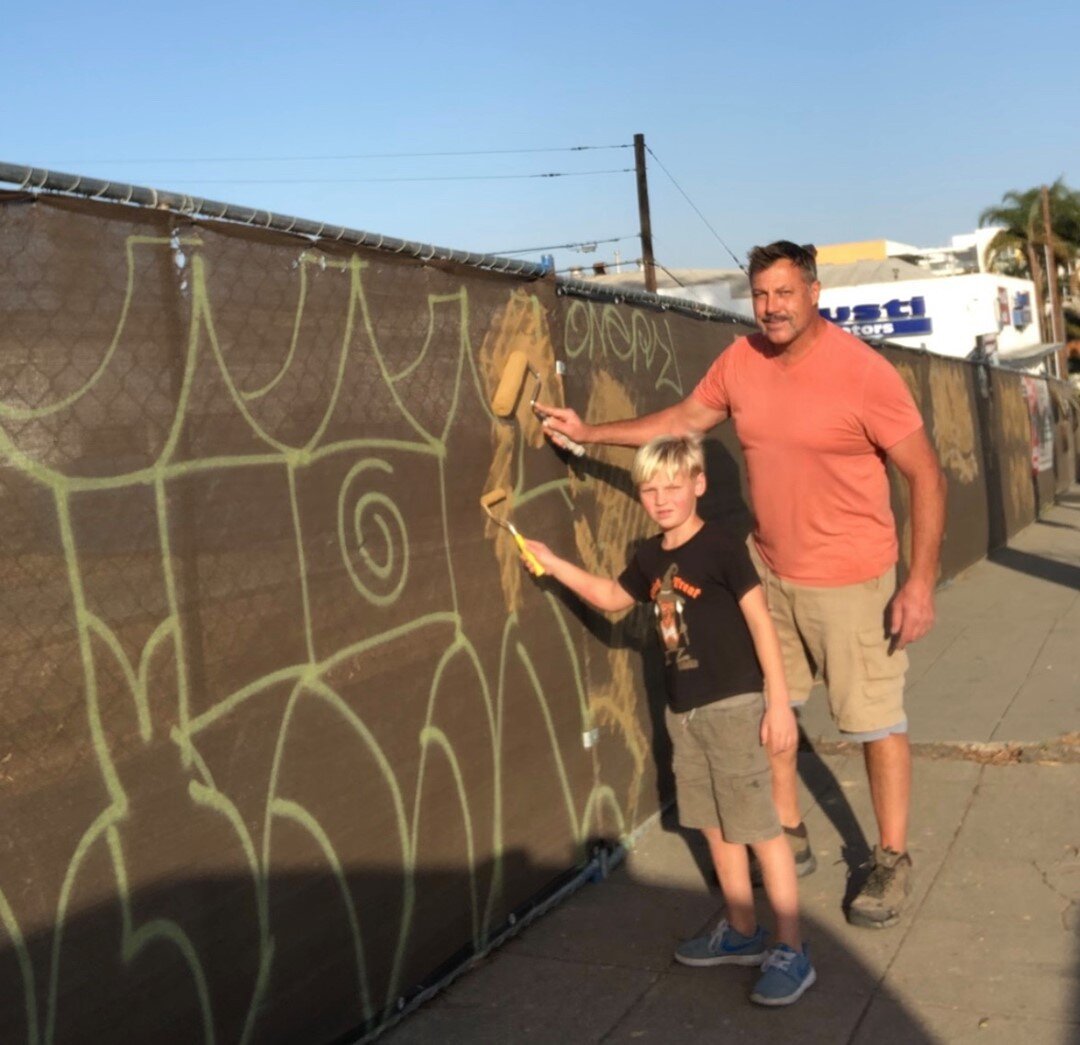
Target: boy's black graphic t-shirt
695,591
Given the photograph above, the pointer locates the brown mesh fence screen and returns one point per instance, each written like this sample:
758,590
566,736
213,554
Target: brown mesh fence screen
285,725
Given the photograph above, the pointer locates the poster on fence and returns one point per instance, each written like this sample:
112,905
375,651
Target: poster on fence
1037,396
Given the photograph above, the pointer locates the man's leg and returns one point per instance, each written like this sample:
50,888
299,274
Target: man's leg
888,769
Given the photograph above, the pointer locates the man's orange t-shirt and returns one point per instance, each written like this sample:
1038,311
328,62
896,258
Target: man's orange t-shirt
814,435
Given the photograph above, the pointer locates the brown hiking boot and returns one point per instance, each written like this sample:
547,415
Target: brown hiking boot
885,892
805,861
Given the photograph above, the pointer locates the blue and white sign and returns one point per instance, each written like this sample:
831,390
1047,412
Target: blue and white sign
895,318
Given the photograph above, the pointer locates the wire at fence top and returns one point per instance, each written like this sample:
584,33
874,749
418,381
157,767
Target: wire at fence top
363,181
697,210
351,156
563,246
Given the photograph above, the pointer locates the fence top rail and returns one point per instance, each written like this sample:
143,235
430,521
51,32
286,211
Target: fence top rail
39,180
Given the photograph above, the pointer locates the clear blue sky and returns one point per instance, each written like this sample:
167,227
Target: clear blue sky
818,122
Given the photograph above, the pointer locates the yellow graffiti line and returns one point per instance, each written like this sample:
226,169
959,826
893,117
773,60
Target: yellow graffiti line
170,627
541,490
360,295
464,351
201,310
296,813
316,688
603,793
102,822
432,301
672,361
26,967
495,887
33,413
98,627
199,307
295,672
553,739
209,797
306,259
82,623
182,692
571,653
301,562
330,449
392,634
430,732
133,941
137,683
229,703
433,735
388,598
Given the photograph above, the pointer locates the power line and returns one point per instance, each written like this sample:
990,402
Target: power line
351,156
359,181
697,210
563,246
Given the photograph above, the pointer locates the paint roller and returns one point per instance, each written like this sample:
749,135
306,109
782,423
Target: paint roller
494,497
505,400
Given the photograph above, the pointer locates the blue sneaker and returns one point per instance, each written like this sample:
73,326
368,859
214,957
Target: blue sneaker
723,946
785,976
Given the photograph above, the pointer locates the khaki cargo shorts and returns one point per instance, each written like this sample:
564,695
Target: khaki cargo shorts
841,635
722,775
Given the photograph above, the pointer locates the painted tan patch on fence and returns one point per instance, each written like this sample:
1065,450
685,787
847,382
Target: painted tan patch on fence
954,427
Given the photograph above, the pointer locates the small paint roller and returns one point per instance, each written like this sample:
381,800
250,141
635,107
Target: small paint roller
505,400
494,497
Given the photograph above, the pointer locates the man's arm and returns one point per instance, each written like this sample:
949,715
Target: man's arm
602,592
912,611
688,417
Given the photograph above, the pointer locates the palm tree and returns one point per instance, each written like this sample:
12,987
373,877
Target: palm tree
1018,248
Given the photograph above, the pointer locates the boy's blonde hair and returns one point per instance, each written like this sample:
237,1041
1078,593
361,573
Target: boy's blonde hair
668,454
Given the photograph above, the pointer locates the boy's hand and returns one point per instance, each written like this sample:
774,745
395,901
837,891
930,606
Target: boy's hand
544,555
779,730
561,420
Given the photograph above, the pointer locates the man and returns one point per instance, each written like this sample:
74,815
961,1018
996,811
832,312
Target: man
817,413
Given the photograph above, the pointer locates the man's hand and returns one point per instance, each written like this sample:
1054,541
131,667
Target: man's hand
911,614
779,730
559,421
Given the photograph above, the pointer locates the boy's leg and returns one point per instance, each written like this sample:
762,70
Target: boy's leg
733,869
799,673
781,887
741,942
785,786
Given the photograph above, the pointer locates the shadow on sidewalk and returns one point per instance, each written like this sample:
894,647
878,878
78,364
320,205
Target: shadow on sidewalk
1038,566
600,968
310,962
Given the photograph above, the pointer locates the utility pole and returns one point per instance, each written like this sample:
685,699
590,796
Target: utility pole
643,213
1057,325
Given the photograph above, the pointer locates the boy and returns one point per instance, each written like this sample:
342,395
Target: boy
720,651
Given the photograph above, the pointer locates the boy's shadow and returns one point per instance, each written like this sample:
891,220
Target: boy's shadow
724,502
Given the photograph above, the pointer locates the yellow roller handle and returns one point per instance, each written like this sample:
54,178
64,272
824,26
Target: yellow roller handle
533,562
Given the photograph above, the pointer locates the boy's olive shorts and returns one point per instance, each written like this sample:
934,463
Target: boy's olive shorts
722,775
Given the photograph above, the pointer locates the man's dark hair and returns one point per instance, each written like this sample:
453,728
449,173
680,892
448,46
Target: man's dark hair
804,258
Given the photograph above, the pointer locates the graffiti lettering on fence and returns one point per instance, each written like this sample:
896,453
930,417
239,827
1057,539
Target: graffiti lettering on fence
635,340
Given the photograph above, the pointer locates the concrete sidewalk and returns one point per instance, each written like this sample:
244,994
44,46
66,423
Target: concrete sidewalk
990,951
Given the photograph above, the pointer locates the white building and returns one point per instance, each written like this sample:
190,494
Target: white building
955,315
939,299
